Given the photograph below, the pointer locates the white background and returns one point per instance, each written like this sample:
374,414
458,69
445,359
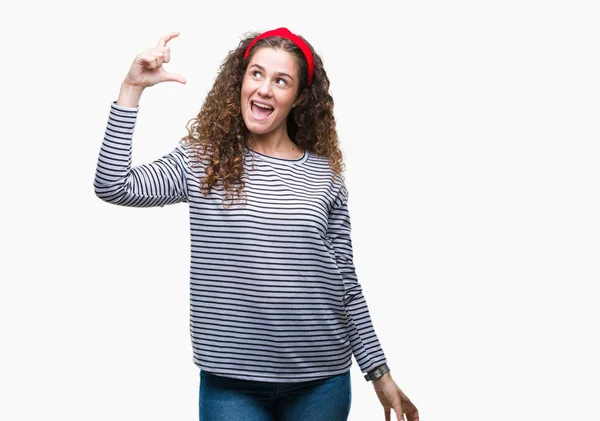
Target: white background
471,139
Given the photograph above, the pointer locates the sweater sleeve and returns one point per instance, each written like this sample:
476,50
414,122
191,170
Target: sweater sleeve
162,182
365,345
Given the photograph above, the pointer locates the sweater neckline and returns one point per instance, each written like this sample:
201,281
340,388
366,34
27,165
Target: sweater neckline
276,160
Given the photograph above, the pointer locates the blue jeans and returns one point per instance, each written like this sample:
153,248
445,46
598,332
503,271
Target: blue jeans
228,399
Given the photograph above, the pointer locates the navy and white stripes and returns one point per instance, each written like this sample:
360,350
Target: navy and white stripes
274,294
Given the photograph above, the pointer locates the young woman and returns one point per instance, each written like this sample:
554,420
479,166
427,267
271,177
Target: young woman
276,307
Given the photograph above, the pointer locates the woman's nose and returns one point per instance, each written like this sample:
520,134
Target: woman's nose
265,88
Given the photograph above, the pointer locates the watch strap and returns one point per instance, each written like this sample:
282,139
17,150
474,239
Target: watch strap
377,372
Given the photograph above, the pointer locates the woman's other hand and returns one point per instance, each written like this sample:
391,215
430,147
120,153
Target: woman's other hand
391,396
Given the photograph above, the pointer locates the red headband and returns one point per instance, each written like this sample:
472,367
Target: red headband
285,33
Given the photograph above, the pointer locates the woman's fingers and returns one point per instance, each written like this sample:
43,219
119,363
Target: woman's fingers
158,57
399,411
167,51
166,38
148,69
148,60
154,60
174,77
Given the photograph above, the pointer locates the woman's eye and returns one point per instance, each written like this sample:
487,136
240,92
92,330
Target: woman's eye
279,81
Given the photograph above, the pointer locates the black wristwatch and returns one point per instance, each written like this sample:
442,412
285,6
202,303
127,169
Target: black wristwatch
377,372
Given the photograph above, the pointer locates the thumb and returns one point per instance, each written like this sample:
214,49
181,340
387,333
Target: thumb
174,77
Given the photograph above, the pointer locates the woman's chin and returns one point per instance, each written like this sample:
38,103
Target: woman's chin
255,127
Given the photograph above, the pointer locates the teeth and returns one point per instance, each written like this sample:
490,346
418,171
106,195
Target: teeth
267,107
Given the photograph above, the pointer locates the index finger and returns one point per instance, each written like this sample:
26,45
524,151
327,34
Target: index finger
399,412
166,38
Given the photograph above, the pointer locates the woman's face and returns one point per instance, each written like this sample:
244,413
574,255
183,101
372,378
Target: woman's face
269,89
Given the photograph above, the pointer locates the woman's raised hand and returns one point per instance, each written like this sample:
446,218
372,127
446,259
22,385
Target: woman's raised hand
147,69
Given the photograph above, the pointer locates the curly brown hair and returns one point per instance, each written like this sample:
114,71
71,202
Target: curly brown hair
217,135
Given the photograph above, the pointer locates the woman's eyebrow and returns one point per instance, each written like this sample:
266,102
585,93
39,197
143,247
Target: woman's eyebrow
277,73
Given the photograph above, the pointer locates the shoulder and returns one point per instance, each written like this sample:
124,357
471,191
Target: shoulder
335,184
319,164
194,154
317,160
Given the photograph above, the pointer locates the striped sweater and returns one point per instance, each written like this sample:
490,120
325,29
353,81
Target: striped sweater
274,294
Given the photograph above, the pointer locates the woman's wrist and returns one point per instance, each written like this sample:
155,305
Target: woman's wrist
129,96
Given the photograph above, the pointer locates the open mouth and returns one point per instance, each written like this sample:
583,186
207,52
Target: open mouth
260,110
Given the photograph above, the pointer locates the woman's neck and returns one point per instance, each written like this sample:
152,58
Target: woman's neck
275,144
